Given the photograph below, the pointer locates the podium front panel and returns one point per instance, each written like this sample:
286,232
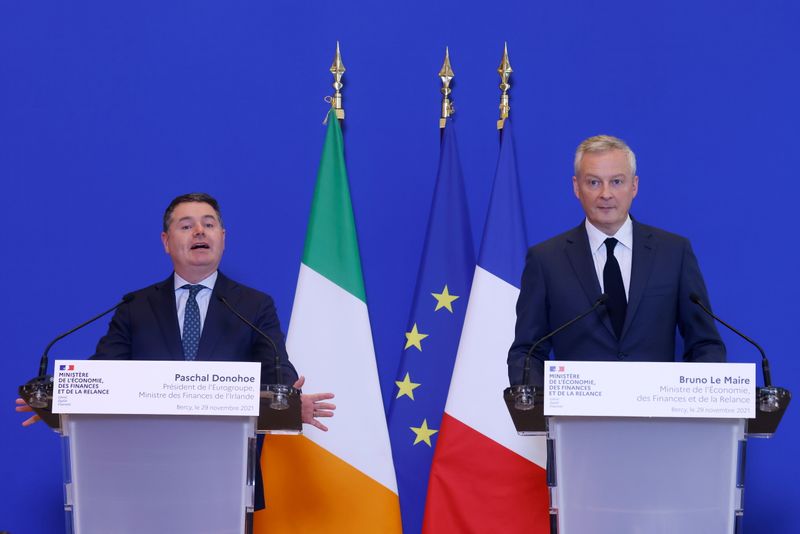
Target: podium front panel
158,474
653,475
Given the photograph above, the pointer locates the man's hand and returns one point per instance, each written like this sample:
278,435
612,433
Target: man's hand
22,406
313,407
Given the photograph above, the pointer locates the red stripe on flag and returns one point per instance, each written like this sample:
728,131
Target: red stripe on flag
477,485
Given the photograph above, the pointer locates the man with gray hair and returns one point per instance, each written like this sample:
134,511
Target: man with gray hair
645,273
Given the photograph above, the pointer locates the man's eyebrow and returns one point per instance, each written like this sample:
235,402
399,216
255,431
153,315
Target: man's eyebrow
589,175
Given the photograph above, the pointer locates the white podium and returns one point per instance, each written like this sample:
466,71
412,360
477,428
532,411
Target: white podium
613,469
654,476
161,447
158,473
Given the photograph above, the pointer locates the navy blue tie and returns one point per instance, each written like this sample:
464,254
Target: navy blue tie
617,303
191,322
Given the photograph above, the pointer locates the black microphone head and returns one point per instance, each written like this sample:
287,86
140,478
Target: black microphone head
601,299
694,297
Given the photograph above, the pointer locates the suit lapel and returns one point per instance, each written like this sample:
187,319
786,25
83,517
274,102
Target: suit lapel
644,248
580,257
162,303
212,327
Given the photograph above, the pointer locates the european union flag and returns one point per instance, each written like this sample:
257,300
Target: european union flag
432,336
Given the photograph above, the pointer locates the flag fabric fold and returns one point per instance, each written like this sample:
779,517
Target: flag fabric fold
431,338
342,480
484,477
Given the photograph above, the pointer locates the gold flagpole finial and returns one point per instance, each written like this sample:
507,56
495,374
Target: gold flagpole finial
446,74
337,69
504,70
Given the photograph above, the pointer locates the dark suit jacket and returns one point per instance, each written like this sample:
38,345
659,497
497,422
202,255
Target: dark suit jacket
146,328
560,282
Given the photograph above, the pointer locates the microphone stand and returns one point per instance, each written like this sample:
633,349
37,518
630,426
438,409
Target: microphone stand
38,391
524,393
280,392
770,398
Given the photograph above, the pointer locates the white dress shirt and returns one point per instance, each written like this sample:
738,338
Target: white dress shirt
623,251
203,298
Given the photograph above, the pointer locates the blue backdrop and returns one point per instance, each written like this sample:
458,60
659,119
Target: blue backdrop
108,110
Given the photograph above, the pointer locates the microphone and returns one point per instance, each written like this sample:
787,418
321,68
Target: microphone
37,388
280,390
526,372
770,398
524,393
695,298
43,363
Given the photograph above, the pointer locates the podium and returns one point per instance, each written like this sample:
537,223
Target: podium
158,473
654,475
642,475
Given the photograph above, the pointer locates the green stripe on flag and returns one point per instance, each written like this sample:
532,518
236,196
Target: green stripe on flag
331,244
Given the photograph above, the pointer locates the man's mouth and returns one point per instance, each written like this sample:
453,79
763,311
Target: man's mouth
199,245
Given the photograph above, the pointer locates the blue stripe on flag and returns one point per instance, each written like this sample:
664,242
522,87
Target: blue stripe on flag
504,243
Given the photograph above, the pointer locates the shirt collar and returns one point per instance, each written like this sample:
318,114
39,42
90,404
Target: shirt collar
597,238
208,282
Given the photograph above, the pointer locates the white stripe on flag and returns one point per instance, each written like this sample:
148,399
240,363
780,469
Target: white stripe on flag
330,342
480,376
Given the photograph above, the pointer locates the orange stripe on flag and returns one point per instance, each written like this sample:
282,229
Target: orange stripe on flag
331,496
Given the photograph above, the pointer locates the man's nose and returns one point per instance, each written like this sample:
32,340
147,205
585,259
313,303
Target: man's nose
198,229
605,191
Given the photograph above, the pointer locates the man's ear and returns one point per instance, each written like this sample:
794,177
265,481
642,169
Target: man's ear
165,241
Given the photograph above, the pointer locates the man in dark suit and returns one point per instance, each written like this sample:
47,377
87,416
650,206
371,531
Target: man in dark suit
647,275
148,328
152,325
183,317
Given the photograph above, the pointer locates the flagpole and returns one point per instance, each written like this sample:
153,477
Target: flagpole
446,74
338,70
504,70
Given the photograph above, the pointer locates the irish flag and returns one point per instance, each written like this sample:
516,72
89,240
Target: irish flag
342,480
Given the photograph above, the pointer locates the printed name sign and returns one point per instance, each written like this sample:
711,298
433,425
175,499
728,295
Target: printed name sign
156,387
650,389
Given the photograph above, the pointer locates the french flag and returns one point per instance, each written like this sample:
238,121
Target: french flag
485,477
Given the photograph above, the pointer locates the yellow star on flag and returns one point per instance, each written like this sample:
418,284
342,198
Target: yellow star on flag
406,386
423,433
414,338
444,299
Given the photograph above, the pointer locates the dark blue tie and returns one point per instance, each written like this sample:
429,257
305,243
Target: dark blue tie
617,303
191,322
